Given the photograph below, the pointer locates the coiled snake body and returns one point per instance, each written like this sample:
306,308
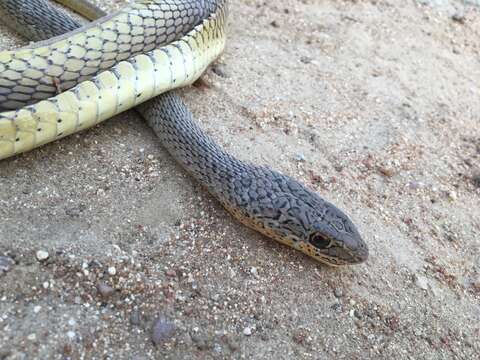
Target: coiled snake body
73,81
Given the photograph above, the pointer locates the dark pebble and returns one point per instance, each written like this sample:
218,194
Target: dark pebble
4,354
232,343
357,314
275,24
202,342
220,70
306,59
459,17
135,318
105,290
171,273
6,264
476,180
336,307
162,330
338,293
386,171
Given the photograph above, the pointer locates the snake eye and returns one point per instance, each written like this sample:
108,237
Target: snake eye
319,241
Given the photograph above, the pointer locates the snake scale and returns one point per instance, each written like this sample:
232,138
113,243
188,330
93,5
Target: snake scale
70,82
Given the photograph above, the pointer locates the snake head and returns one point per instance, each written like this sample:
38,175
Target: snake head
334,239
292,214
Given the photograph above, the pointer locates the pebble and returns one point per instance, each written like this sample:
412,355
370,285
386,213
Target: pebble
338,293
306,59
300,157
386,171
42,255
135,317
476,180
162,330
112,271
275,24
452,195
171,273
220,70
247,331
217,348
6,264
459,17
476,282
357,314
37,309
202,342
337,307
422,282
232,343
415,185
105,290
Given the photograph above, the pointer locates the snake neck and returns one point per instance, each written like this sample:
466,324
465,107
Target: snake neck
197,152
263,199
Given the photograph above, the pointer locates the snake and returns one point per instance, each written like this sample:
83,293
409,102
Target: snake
76,76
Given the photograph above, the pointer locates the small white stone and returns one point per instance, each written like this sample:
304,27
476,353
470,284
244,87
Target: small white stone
254,271
32,337
247,331
42,255
71,334
452,195
422,282
37,309
112,271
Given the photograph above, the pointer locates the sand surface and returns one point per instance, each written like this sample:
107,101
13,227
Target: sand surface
372,103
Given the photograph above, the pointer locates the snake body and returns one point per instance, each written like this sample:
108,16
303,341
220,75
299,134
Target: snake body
127,84
263,199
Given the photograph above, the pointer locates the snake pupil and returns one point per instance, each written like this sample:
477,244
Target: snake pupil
319,241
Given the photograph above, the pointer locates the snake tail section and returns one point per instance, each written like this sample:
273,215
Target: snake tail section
126,85
46,68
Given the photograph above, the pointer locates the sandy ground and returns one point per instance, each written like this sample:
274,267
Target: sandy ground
108,250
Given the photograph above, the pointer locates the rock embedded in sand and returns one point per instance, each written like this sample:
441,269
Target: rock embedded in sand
42,255
162,330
